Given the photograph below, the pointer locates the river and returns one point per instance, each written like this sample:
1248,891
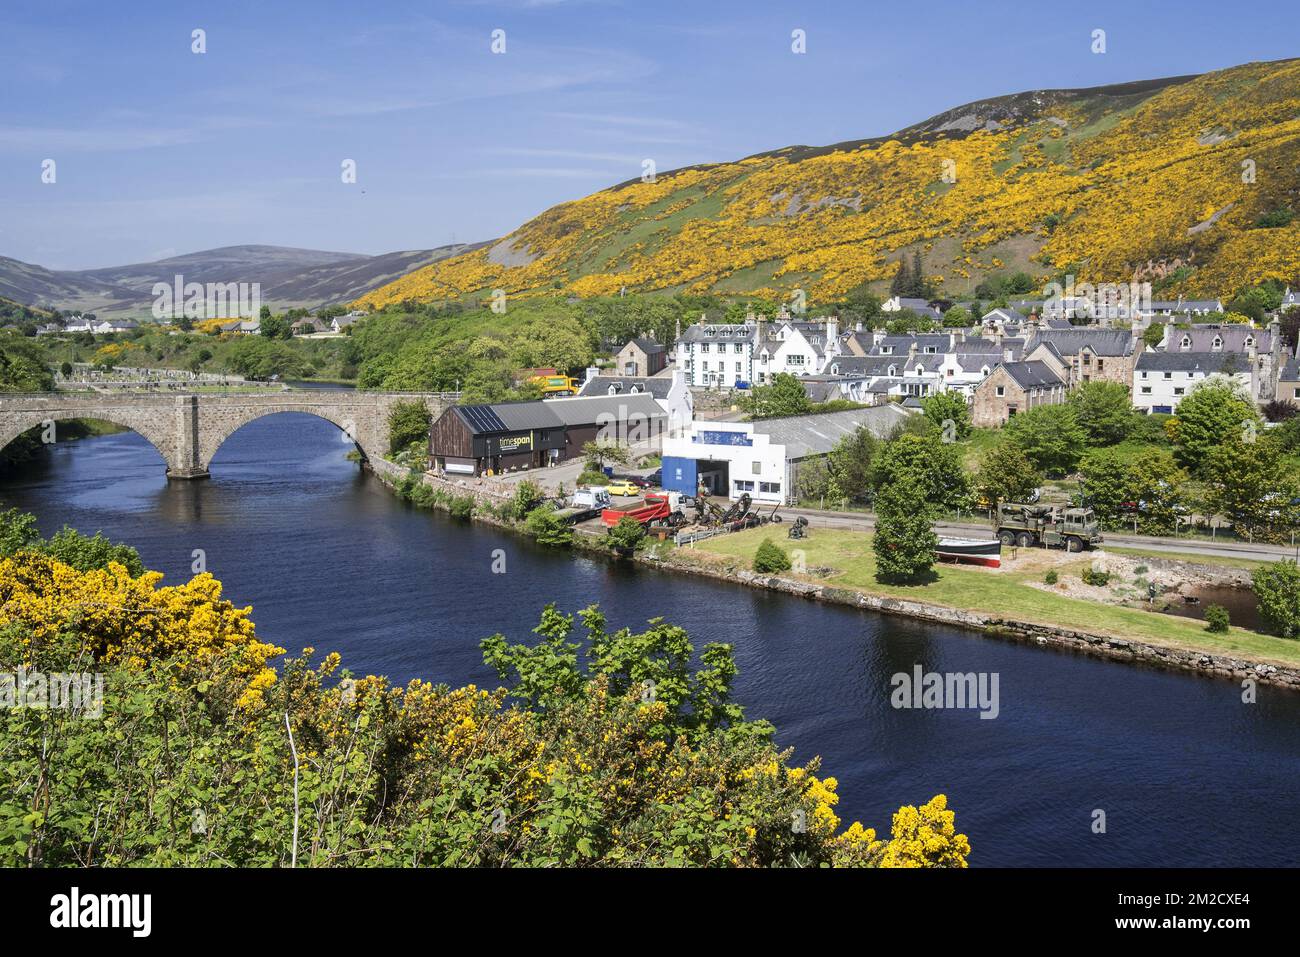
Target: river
1185,773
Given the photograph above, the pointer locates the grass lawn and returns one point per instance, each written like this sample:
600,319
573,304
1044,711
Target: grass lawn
1005,592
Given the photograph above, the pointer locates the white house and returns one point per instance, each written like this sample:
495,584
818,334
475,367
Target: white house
717,355
763,458
1161,380
670,391
797,348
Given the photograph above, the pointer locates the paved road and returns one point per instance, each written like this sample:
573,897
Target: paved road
1186,547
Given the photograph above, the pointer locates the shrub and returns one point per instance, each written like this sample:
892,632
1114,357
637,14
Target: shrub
1277,588
1217,619
1095,576
545,525
627,534
590,477
528,495
1051,577
461,506
770,558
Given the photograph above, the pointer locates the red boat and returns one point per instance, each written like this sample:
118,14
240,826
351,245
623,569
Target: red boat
971,551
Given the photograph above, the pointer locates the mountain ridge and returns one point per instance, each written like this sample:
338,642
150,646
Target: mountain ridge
1113,182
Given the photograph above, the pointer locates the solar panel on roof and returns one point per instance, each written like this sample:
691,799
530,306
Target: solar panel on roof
482,418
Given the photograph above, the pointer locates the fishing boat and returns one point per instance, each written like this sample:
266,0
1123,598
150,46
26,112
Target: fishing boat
972,551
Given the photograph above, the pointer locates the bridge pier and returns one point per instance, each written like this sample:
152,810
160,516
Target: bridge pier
190,473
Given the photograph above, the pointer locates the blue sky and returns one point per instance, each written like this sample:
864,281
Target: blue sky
162,151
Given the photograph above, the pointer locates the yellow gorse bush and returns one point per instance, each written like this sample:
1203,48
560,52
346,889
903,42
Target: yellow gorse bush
134,620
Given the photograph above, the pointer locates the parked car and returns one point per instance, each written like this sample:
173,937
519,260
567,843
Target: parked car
622,487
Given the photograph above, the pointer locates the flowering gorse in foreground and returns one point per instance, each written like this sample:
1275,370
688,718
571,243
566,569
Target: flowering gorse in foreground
639,758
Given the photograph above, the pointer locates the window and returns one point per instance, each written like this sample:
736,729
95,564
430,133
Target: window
704,347
1101,364
893,371
744,486
770,487
738,348
1295,393
1146,390
737,368
757,468
1144,375
1217,344
1186,343
1001,391
1179,390
1169,375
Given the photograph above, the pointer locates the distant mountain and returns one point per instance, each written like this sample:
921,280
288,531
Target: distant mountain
1191,182
288,276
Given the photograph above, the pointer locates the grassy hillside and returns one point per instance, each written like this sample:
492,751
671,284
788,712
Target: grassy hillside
1141,178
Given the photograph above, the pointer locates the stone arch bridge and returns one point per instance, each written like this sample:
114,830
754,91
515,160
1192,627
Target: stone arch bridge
187,430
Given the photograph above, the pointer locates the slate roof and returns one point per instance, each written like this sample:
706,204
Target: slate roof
1291,371
1207,362
1232,335
508,416
1103,342
863,365
657,386
593,409
805,435
649,346
722,332
1030,375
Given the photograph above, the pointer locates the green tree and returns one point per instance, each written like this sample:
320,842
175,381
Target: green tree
850,465
1104,410
596,455
903,543
922,460
1050,436
1277,590
1153,334
275,327
1252,484
546,526
408,422
626,535
945,407
1212,414
770,558
784,396
957,317
1006,474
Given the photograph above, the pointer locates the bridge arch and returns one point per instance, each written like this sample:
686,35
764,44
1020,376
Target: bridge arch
159,435
354,422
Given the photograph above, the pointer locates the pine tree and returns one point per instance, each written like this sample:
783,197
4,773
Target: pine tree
918,286
901,282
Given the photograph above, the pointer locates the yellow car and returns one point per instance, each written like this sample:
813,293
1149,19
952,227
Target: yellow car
622,487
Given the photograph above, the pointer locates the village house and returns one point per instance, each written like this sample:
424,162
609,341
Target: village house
1162,379
1258,349
1090,353
669,390
1015,387
642,356
737,356
1288,383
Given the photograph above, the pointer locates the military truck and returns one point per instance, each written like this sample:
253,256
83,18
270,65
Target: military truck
1053,526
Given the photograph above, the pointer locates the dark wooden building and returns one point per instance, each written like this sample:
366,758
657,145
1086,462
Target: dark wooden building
508,436
482,439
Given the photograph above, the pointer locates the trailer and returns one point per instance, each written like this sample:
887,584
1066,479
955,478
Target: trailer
584,504
656,507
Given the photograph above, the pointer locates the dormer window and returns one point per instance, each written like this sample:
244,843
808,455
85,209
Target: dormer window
612,390
1186,343
1250,341
1217,344
893,371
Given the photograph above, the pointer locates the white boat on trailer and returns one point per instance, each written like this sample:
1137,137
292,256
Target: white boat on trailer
972,551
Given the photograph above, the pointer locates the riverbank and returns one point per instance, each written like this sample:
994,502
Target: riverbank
838,568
